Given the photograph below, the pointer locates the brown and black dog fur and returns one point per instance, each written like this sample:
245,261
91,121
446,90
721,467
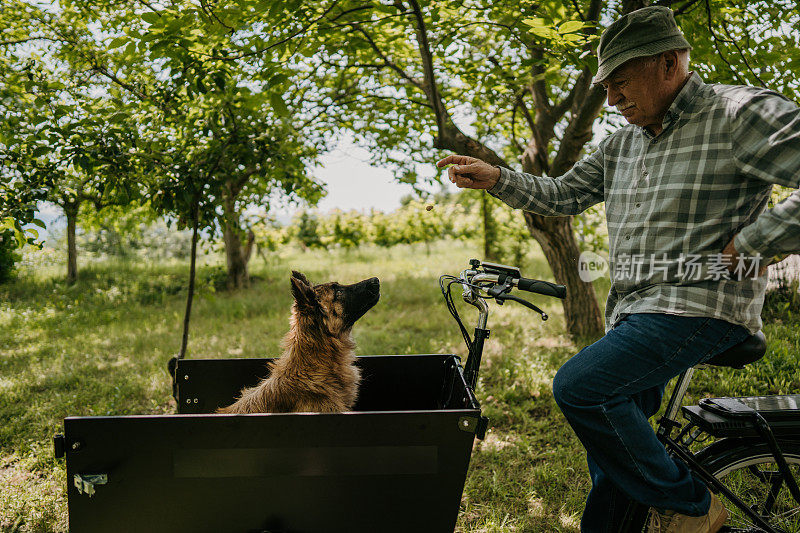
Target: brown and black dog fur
317,371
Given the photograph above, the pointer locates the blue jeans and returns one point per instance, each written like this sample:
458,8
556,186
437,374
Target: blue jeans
607,392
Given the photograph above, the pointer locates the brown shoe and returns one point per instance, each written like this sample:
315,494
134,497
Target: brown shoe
672,522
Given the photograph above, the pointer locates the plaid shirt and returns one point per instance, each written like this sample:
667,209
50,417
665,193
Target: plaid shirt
674,200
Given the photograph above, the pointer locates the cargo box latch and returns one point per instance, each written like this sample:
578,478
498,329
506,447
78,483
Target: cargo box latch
86,483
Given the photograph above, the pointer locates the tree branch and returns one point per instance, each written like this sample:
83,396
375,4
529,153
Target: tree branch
717,40
541,133
514,127
148,5
430,86
538,88
302,30
25,40
561,108
415,82
453,29
579,130
586,102
633,5
593,15
684,8
206,7
95,66
578,10
738,49
365,21
528,118
343,13
679,11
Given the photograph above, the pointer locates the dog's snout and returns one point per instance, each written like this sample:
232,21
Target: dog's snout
362,297
371,286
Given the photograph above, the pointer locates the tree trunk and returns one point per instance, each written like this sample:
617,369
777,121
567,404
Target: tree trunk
237,254
71,211
557,239
236,259
249,245
190,293
555,234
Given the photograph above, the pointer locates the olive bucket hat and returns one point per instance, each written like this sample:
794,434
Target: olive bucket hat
644,32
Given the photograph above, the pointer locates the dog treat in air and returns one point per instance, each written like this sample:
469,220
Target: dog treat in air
428,207
317,372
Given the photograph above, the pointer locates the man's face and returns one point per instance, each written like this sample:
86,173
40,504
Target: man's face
636,89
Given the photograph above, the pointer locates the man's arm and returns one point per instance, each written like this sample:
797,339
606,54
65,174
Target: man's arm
580,188
766,146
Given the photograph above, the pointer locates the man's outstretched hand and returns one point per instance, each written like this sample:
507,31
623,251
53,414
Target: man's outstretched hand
469,172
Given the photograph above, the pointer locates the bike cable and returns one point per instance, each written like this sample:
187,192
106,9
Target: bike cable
451,306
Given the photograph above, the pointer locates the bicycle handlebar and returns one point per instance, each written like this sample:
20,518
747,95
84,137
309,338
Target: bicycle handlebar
482,281
542,287
525,284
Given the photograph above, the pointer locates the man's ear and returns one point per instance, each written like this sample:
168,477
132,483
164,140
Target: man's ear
302,290
671,63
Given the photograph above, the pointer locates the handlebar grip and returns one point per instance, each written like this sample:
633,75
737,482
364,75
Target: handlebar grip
542,287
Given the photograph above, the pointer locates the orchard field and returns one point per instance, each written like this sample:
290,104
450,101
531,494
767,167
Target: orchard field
142,122
100,347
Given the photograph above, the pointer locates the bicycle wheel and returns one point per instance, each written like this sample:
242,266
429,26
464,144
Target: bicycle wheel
749,471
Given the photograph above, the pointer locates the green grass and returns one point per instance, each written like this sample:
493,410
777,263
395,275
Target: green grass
101,347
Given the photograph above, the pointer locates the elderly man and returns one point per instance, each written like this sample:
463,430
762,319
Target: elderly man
685,185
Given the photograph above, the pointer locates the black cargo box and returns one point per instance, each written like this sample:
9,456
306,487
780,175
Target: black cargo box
397,463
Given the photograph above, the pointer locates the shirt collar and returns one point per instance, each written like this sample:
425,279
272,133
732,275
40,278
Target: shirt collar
681,101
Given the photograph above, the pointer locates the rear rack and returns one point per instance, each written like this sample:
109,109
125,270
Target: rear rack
732,417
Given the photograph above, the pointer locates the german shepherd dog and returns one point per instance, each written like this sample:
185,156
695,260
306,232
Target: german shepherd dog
317,371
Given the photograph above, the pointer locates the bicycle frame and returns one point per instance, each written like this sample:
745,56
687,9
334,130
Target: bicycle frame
481,332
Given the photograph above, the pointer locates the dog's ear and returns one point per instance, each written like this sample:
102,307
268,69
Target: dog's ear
300,276
302,290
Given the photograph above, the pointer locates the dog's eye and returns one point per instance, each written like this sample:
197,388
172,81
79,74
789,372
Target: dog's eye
338,294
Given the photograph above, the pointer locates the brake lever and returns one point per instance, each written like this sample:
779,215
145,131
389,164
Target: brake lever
504,285
503,297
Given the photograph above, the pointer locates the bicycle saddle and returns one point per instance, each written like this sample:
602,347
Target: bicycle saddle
748,351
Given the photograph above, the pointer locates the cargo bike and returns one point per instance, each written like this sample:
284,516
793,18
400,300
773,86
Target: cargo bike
396,463
399,461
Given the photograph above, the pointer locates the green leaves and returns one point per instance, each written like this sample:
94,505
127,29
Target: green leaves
40,151
539,27
746,42
7,224
21,236
278,80
570,26
561,35
278,105
151,17
118,42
